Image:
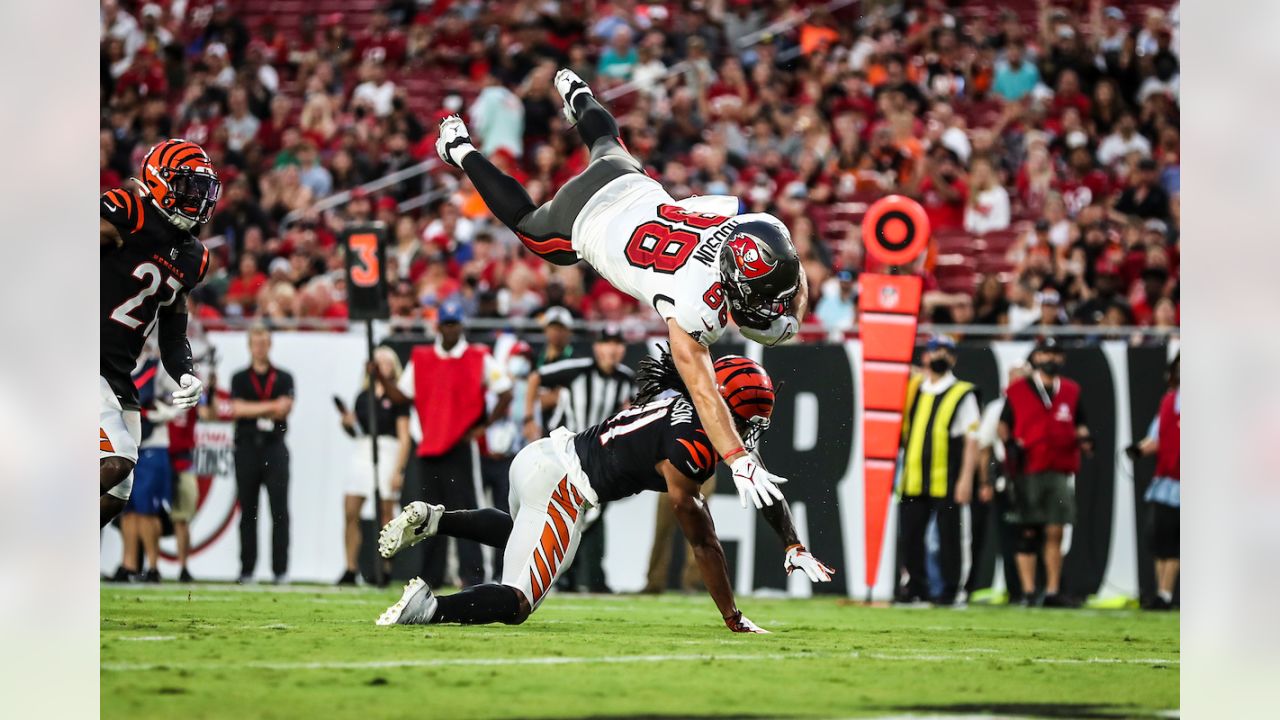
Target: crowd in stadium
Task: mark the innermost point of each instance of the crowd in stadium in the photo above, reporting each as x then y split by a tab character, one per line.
1041	138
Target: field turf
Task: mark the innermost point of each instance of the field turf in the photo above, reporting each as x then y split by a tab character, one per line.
209	651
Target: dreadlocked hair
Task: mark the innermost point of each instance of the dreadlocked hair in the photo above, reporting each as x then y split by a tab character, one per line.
656	375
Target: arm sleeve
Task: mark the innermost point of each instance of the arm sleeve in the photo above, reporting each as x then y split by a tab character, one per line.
690	451
1081	420
987	433
286	384
405	384
496	379
175	349
967	417
122	209
1006	415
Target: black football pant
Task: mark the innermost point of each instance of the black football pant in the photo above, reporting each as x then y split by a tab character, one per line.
545	230
259	466
913	526
452	480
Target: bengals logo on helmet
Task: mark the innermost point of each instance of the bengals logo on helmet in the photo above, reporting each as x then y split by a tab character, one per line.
750	258
179	177
746	389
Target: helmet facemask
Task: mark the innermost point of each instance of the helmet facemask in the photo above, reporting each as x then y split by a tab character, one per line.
191	195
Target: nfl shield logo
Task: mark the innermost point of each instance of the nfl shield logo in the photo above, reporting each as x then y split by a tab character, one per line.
173	253
889	296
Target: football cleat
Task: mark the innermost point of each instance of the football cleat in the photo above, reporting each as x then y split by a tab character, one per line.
417	523
454	142
569	85
416	606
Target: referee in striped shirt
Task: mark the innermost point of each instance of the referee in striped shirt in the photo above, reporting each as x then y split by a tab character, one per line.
591	390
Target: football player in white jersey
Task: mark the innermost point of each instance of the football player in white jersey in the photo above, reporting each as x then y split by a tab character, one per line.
696	261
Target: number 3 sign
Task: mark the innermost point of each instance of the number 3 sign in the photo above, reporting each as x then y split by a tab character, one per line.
365	247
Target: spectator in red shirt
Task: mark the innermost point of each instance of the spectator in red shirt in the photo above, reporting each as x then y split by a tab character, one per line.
1069	95
941	190
380	42
243	288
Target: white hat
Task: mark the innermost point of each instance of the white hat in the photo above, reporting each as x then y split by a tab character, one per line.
954	139
558	315
281	264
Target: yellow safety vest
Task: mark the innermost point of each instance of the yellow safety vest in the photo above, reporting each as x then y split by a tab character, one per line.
916	430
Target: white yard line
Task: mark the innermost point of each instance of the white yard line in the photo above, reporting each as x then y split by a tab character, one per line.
608	659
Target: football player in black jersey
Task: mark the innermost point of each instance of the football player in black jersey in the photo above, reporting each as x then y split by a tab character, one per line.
658	444
150	261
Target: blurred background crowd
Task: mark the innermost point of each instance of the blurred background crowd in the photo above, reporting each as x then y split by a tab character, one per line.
1042	139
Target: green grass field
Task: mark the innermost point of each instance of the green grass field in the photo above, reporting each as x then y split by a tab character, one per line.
226	652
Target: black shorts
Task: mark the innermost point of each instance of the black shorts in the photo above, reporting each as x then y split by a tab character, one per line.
1166	531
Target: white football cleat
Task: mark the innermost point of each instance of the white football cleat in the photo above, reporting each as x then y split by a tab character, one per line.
416	606
569	85
416	523
454	142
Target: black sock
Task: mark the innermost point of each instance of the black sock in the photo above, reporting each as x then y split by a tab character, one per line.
504	195
488	526
594	122
479	605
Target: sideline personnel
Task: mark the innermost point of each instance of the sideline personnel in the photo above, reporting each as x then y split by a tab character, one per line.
940	451
447	381
1044	430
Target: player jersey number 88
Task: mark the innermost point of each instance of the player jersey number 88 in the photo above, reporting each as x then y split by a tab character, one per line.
665	251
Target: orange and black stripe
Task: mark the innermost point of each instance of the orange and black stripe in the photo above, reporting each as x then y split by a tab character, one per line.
104	442
745	386
701	455
553	545
204	264
129	203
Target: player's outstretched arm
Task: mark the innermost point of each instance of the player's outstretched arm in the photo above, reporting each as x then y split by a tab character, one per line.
778	516
175	352
695	522
693	362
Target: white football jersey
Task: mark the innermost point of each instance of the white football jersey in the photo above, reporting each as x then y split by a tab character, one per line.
661	251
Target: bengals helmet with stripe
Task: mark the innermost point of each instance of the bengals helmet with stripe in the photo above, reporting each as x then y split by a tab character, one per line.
748	391
178	176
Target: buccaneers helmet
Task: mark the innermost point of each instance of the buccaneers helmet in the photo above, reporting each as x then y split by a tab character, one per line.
748	391
180	179
759	270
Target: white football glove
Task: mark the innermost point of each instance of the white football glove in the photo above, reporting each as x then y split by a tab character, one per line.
188	395
740	623
754	482
798	557
782	329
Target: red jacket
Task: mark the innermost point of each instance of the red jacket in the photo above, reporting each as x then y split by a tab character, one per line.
1169	437
1047	434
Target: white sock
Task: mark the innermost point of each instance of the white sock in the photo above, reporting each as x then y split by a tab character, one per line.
1165	596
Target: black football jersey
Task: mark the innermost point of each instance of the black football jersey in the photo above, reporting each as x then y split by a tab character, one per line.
157	265
621	454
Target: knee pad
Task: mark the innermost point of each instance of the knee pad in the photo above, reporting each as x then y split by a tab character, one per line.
1030	539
